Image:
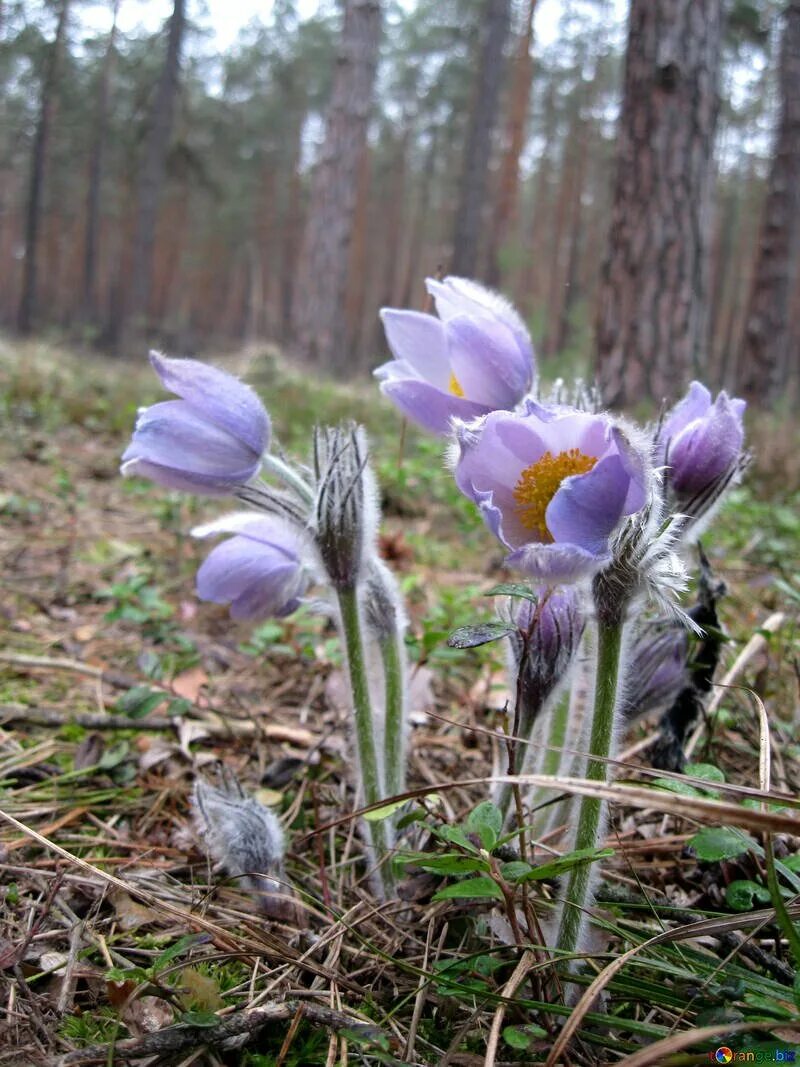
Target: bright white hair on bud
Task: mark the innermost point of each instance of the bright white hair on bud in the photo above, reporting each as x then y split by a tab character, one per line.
241	836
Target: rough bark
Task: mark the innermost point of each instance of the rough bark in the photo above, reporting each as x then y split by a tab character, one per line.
505	213
413	276
96	161
151	176
41	140
319	313
472	193
767	353
650	323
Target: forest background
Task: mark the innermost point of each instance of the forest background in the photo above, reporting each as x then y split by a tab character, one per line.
156	188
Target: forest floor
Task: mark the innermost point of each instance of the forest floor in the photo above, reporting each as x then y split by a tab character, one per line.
117	688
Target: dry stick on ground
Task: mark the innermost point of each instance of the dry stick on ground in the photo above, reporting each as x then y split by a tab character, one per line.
246	1024
527	961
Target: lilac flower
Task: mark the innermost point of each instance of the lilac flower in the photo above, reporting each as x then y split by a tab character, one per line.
553	485
657	669
554	627
701	443
259	571
475	358
209	441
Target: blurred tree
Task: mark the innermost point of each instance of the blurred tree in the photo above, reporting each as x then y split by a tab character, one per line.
477	152
41	141
319	309
767	345
650	324
152	171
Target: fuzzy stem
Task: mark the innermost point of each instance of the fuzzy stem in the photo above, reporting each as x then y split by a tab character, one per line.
394	768
553	751
277	466
365	737
609	645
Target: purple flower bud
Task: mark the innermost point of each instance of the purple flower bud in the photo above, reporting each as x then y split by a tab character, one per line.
554	627
657	669
209	441
475	358
553	485
259	571
701	444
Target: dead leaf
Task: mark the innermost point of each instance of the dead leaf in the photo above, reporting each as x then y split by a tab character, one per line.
84	633
189	684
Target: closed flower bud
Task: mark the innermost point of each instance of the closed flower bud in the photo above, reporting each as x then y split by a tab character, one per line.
552	629
240	835
657	669
344	515
209	441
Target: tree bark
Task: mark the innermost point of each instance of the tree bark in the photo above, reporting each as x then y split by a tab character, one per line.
96	175
766	357
651	321
505	213
479	138
319	311
151	176
41	140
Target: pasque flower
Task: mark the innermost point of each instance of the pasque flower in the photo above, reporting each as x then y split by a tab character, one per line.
552	629
259	571
700	443
657	668
209	441
476	357
553	485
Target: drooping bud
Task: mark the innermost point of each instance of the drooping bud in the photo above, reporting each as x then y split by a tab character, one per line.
657	668
241	836
344	515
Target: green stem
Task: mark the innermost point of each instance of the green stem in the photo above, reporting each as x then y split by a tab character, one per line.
553	754
286	473
364	723
609	645
394	742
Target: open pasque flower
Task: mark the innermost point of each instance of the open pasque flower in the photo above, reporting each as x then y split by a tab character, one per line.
259	571
701	442
209	441
553	485
476	357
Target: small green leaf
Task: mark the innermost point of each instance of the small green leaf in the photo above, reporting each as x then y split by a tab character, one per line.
173	951
470	888
516	869
455	836
742	895
453	863
715	843
520	1037
480	634
199	1018
514	589
566	863
127	974
706	771
140	701
486	821
379	814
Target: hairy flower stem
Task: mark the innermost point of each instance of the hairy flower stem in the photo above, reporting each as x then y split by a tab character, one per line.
553	752
590	816
394	742
288	475
365	737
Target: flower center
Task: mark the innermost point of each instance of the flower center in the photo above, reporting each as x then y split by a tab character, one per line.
455	386
539	483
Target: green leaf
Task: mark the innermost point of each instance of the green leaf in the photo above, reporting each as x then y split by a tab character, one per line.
516	869
470	888
520	1037
455	836
199	1018
715	843
706	771
140	701
173	951
480	634
486	821
743	895
379	814
566	863
514	589
127	974
452	863
677	785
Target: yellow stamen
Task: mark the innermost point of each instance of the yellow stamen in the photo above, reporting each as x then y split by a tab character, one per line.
455	386
539	483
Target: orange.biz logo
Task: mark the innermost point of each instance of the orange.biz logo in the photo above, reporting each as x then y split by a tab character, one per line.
726	1055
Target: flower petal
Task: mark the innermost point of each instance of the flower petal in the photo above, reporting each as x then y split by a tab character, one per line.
428	406
557	563
218	396
693	406
587	507
418	340
169	478
257	579
486	361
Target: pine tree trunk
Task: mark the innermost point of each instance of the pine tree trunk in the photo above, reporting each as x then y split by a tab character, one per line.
96	175
413	277
479	139
651	322
151	176
41	140
765	357
319	311
505	213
